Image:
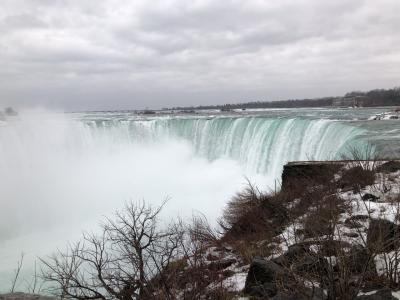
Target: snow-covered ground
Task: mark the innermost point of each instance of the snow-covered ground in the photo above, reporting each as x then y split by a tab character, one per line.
378	201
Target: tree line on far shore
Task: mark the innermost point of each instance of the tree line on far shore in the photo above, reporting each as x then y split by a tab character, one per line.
376	97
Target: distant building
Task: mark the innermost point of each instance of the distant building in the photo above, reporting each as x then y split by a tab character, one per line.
349	101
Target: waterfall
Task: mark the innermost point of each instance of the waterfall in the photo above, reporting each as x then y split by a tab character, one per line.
260	145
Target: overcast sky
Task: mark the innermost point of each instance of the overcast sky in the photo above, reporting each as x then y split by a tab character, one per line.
117	54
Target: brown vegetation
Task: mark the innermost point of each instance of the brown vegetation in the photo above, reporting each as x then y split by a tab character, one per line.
307	241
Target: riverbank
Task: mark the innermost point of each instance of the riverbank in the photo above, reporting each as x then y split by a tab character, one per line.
331	233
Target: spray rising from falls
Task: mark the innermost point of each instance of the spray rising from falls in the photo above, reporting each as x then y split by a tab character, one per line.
260	145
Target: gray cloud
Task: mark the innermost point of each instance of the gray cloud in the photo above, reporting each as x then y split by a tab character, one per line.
134	54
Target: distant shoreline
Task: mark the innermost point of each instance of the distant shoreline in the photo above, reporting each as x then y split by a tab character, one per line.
372	98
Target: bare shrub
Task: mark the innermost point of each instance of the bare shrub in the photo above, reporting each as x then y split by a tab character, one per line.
366	158
238	208
118	263
135	257
389	167
252	214
203	274
17	272
356	178
35	284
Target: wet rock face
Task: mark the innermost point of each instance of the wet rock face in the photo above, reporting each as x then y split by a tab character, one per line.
370	197
389	167
261	276
306	172
295	253
264	275
383	235
221	264
356	178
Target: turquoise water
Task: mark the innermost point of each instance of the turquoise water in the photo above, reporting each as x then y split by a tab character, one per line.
261	141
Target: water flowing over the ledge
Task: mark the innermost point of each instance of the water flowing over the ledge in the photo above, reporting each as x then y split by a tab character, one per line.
260	145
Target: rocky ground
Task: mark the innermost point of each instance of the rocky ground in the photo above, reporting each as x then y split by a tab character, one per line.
340	240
